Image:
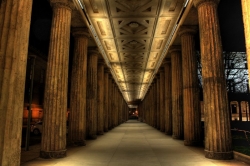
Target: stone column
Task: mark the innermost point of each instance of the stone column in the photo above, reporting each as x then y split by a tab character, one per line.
155	103
110	103
77	116
14	39
168	97
100	99
158	101
191	102
120	107
151	105
216	114
162	101
106	99
116	105
53	144
92	93
113	110
245	5
177	92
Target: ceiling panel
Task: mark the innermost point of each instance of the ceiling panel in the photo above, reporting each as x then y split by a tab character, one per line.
133	34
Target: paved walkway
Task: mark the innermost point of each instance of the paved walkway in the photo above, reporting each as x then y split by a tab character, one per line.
131	144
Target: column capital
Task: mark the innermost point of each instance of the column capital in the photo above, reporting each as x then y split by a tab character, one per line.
174	48
197	3
80	32
62	4
161	69
157	76
166	61
101	62
106	70
188	29
93	51
110	76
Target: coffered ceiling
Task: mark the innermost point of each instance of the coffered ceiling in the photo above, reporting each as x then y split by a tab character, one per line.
133	37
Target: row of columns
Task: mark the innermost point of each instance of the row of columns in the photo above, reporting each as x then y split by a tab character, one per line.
180	112
14	34
91	113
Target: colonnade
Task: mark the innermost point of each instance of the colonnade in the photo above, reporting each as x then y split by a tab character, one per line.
96	103
175	112
182	116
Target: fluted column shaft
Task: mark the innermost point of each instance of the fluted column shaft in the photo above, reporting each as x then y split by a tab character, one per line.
162	100
106	99
100	99
158	102
53	144
168	98
77	116
177	93
245	5
110	104
120	108
155	103
113	111
151	105
216	115
91	114
191	102
116	105
14	39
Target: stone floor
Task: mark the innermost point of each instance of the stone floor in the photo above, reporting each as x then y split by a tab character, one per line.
130	144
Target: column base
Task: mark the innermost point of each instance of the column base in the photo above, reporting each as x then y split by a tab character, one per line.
219	155
77	143
92	137
100	132
177	137
106	130
53	154
192	143
80	143
168	133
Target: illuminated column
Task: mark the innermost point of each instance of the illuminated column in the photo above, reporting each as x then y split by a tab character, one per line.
158	102
53	144
168	98
100	97
154	103
177	92
77	116
191	102
110	103
151	104
106	98
91	114
245	5
120	107
14	39
162	101
216	114
146	108
113	119
116	105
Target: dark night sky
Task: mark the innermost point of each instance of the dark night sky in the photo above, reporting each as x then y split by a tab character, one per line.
231	25
229	11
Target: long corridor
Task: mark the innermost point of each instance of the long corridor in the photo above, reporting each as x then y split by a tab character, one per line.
133	144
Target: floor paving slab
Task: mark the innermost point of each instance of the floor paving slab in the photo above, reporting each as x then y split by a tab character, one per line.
130	144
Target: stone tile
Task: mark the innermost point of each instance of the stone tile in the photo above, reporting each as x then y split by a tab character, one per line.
131	144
